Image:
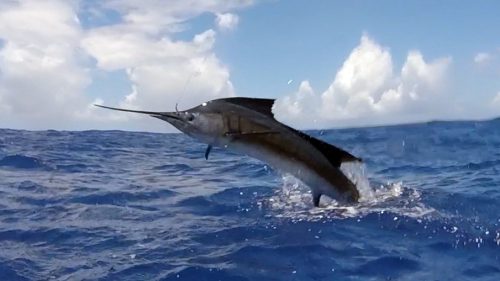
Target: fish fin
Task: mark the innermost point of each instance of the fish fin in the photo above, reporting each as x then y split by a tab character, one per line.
335	155
263	106
207	152
316	196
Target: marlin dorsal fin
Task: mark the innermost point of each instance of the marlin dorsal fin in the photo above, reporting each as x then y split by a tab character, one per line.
334	154
263	106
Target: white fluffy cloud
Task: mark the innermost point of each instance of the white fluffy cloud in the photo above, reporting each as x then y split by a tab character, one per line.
227	21
169	72
40	74
162	71
45	63
482	57
496	100
367	91
48	58
156	15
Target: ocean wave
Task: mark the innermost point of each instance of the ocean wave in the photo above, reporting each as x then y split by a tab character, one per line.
19	161
121	198
149	206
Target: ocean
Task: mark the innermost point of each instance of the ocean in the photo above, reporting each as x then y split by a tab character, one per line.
113	205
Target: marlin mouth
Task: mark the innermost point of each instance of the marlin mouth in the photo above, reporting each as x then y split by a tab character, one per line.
163	115
166	116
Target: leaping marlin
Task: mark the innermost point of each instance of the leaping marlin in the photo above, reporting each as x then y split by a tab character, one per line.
247	126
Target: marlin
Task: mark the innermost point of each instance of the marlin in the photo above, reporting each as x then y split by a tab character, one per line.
247	126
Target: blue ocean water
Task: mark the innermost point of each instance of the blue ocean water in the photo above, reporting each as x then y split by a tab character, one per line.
112	205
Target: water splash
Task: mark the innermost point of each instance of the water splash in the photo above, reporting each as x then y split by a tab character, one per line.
356	172
294	201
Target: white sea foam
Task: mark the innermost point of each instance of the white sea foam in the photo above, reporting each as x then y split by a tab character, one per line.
294	201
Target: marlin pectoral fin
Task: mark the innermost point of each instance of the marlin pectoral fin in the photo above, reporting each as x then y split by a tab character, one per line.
207	152
316	196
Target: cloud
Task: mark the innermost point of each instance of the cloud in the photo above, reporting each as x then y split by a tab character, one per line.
47	60
153	16
299	108
41	78
481	58
227	21
366	91
496	100
162	71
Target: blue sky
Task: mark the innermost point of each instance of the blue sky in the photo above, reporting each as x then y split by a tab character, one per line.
329	63
292	39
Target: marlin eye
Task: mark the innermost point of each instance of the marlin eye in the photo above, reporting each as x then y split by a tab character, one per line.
190	117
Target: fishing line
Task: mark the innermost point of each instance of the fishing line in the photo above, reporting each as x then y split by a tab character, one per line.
188	80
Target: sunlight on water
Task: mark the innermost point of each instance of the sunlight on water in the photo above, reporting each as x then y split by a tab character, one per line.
294	200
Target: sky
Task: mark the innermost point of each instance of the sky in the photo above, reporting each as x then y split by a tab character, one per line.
328	64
